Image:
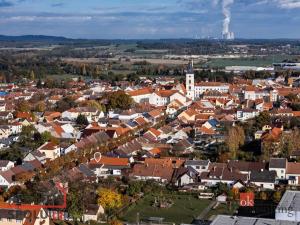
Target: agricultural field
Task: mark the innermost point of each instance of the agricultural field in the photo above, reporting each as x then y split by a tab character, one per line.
253	61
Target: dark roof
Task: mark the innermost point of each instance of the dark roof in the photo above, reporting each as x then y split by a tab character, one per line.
91	210
85	170
277	163
246	166
12	214
3	163
263	176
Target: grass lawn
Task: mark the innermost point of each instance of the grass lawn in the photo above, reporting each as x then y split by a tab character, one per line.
184	209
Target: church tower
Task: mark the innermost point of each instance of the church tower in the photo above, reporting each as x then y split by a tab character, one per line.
190	82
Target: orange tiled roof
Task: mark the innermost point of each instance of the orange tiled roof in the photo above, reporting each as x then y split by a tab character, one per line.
293	168
165	93
143	91
111	161
155	151
49	146
154	131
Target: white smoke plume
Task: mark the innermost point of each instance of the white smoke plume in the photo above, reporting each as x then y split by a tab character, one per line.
227	17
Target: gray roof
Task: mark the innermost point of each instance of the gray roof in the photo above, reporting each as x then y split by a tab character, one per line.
197	163
3	163
233	220
263	176
277	163
290	200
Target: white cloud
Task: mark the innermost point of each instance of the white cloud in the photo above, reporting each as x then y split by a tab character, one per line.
288	4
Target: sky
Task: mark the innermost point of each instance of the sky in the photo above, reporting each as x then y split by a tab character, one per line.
150	19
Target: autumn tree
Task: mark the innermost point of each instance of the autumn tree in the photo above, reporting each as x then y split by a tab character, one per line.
119	100
277	196
235	139
109	200
263	195
22	106
40	107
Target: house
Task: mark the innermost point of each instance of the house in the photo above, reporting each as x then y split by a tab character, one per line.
109	166
174	106
279	166
157	172
164	97
35	155
245	167
5	131
220	173
6	179
263	179
293	173
184	176
92	213
188	116
198	165
127	115
154	115
245	114
92	114
25	217
141	95
51	150
160	170
50	116
184	146
6	165
5	115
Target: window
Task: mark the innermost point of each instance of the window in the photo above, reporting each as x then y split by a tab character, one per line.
197	167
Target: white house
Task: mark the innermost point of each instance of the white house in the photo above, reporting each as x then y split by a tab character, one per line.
263	179
6	178
279	166
51	150
245	114
6	165
198	165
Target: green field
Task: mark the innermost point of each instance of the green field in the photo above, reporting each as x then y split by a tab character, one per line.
222	209
253	61
184	209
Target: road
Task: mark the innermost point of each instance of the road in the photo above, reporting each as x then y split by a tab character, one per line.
206	210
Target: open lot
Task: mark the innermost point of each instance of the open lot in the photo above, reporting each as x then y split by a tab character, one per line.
184	209
252	61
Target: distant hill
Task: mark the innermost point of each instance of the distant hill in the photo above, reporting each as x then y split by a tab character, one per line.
34	38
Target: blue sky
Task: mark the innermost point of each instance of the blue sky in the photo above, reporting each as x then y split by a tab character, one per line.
149	18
